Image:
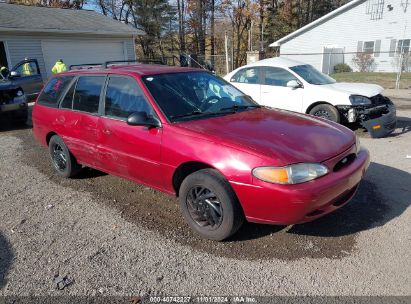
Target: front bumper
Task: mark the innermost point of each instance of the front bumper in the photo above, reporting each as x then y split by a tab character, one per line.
379	120
382	126
18	103
293	204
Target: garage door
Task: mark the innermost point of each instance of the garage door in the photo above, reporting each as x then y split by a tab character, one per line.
81	51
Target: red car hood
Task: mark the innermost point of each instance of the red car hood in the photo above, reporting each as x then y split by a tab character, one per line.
287	137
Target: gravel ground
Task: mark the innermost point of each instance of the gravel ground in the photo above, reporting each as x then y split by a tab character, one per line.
117	238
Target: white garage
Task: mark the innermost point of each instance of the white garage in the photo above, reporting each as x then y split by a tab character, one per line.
82	51
49	34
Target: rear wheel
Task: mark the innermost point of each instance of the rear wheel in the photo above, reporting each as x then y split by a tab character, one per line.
326	111
210	205
63	161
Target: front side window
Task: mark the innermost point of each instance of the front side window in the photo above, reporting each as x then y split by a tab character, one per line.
190	95
124	97
87	93
403	46
312	75
368	47
53	90
247	75
277	77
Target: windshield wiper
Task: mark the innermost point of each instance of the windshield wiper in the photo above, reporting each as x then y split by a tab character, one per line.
194	113
235	108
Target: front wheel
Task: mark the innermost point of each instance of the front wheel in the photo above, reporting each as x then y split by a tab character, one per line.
63	161
210	205
326	111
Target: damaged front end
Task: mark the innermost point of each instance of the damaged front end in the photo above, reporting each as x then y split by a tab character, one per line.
379	117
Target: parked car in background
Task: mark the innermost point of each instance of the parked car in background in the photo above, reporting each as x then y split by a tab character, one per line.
292	85
189	133
26	75
13	102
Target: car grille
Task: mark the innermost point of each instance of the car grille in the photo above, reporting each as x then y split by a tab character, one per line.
345	161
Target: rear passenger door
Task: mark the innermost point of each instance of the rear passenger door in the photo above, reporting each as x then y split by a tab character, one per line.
129	151
79	118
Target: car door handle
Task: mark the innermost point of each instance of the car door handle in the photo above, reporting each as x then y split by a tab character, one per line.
61	119
106	131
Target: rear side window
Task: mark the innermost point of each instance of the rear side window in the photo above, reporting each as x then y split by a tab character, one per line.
53	91
123	97
87	93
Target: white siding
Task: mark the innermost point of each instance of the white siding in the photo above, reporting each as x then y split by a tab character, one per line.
19	47
349	27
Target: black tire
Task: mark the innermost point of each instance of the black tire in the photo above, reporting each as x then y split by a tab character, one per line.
326	111
63	161
219	197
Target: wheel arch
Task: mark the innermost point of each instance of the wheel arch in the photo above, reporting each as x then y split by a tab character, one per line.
314	104
49	136
185	169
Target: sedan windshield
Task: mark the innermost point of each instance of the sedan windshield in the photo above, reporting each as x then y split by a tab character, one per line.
311	75
193	95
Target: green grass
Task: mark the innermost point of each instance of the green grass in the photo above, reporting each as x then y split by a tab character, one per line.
386	80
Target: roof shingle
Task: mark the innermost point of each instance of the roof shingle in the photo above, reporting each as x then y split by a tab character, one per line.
45	19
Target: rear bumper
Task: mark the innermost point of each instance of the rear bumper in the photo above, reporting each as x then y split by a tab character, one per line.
293	204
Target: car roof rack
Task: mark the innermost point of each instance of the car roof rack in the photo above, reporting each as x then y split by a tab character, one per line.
154	61
88	66
84	66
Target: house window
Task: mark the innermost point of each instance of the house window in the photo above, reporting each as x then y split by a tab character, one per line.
403	46
368	47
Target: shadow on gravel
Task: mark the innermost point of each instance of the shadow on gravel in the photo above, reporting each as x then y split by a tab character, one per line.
333	236
6	258
7	124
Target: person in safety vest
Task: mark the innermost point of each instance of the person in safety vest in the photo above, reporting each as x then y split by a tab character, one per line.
59	67
27	69
4	71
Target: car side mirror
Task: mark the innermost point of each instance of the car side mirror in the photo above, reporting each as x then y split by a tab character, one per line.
294	84
14	74
143	119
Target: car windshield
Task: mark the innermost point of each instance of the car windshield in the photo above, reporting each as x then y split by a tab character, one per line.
193	95
311	75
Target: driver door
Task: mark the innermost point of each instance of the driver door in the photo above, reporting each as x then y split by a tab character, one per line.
276	94
29	77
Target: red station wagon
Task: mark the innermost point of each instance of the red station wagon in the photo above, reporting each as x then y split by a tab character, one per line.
189	133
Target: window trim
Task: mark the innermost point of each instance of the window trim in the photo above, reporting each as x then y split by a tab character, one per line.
103	102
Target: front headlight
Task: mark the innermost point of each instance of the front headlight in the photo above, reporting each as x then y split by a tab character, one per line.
19	93
292	174
358	100
357	144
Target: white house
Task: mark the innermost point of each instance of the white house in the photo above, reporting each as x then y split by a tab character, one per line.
378	27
